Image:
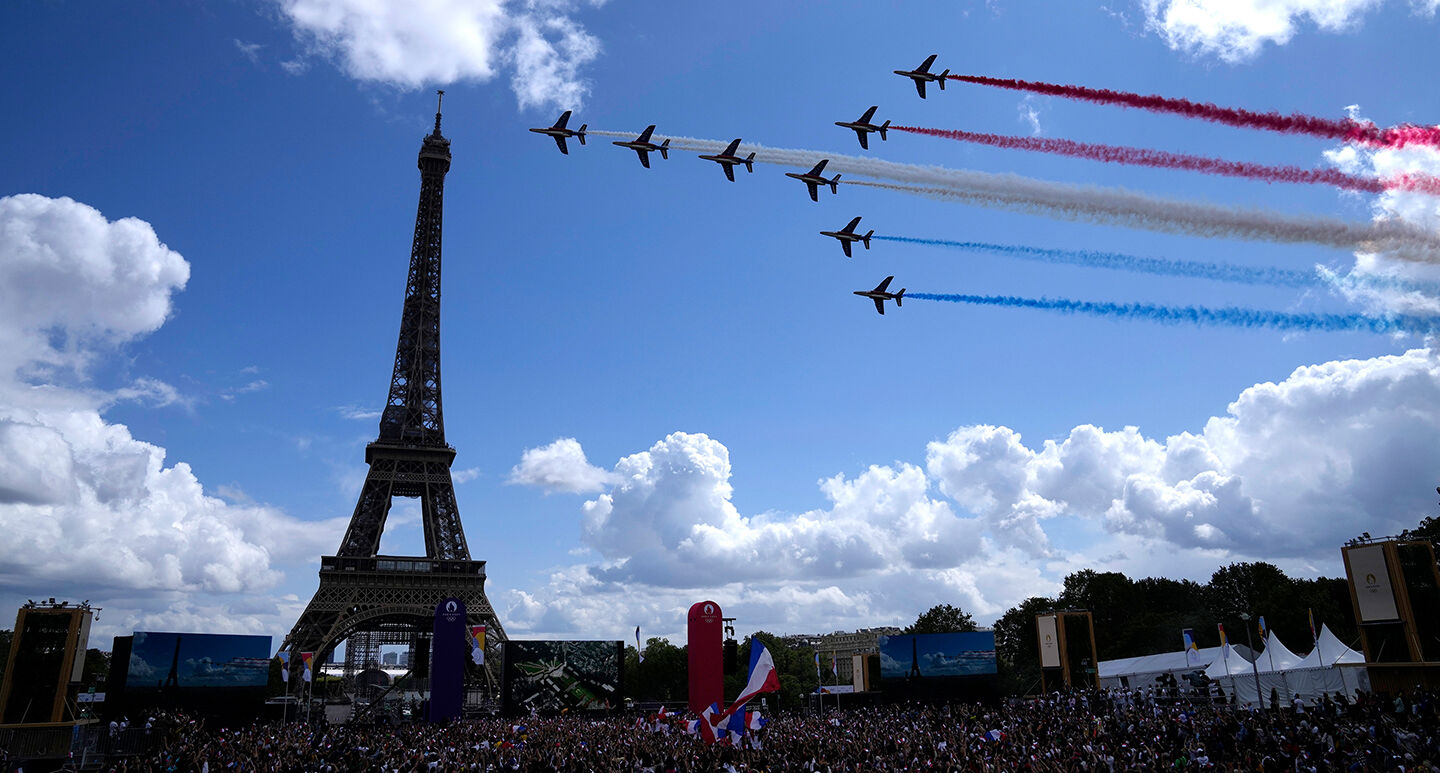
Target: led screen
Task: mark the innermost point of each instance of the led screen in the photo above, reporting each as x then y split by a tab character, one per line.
931	655
185	660
555	675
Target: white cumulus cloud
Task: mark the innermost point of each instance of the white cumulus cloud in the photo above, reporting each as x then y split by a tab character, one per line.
420	42
1237	30
559	466
83	503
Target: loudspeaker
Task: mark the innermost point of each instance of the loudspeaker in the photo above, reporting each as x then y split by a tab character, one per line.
422	659
731	657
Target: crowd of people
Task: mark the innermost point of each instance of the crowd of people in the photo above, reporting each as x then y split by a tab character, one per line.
1089	731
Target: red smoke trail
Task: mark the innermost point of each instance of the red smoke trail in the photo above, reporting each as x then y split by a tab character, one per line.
1119	154
1346	129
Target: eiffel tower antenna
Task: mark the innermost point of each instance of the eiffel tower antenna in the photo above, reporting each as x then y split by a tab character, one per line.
371	599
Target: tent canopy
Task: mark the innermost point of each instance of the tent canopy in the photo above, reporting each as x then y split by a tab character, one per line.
1329	651
1230	663
1276	656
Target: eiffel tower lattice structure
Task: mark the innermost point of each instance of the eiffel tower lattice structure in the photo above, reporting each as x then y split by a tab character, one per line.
367	598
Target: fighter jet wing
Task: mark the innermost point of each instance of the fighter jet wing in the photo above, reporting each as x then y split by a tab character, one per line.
925	66
920	87
645	135
868	114
729	172
731	148
814	191
561	142
880	288
879	305
850	226
644	158
564	118
864	144
844	245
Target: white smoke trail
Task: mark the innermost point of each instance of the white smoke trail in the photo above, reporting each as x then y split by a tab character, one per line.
1094	204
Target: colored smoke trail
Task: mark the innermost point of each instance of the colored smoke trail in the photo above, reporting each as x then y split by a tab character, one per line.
1120	207
1090	203
1221	272
1345	129
1228	316
1121	154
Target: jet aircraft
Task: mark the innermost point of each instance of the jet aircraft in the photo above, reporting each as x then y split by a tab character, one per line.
922	75
814	179
879	295
847	235
863	127
642	146
727	160
559	132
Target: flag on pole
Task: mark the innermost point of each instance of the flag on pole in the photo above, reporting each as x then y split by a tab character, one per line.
1223	640
763	676
640	650
835	664
1192	650
1313	635
476	637
817	665
284	656
306	657
1262	627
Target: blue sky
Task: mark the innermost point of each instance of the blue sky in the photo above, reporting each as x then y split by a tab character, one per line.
658	382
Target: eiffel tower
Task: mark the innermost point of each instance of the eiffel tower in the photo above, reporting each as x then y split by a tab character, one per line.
366	598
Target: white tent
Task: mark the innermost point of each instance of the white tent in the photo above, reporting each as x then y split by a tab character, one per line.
1231	663
1307	677
1276	657
1141	671
1329	651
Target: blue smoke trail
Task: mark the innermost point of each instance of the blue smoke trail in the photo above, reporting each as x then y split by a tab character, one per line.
1222	272
1228	316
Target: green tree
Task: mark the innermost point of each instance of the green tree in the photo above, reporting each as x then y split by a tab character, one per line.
942	618
664	676
1110	598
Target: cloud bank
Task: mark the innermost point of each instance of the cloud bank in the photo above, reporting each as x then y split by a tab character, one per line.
1287	473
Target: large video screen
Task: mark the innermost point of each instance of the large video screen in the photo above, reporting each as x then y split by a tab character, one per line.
555	675
929	655
180	661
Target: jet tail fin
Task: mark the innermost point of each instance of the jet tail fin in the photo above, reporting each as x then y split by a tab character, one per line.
866	238
883	127
835	184
943	76
665	149
898	296
580	135
749	163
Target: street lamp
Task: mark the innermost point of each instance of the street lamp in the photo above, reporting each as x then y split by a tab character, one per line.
1254	669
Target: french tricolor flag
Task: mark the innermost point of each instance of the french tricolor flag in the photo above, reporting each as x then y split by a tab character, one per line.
763	676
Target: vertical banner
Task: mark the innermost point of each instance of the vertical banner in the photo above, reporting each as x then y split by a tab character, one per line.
705	645
1049	640
447	661
1192	650
1370	577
